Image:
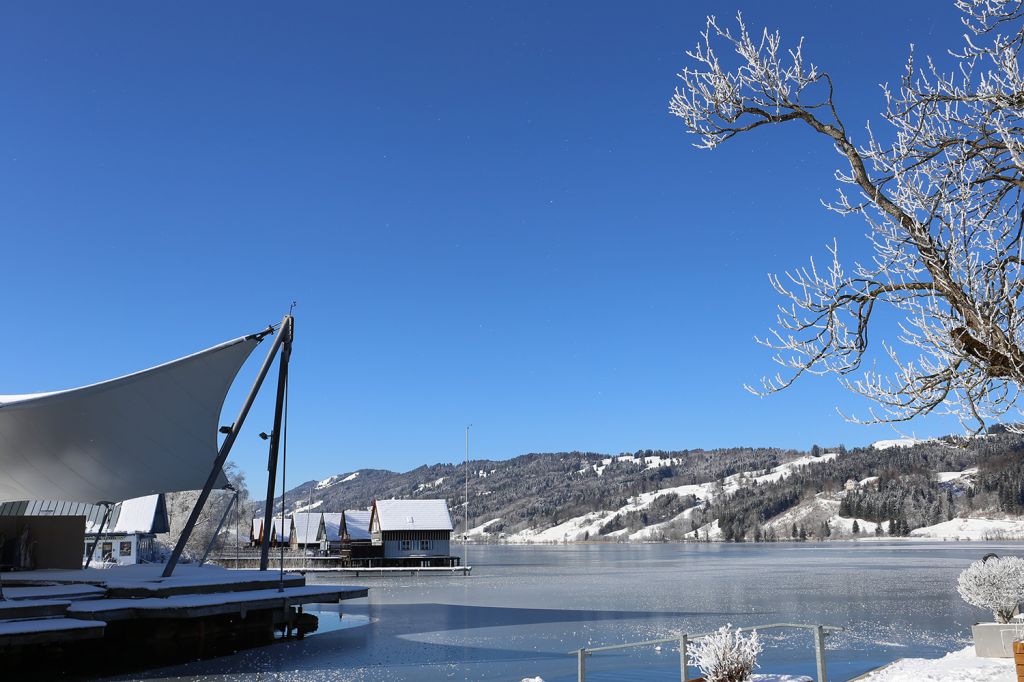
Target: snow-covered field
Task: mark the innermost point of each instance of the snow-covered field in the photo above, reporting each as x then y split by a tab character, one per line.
973	529
958	666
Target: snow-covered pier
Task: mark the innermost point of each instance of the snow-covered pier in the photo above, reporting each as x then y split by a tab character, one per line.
131	614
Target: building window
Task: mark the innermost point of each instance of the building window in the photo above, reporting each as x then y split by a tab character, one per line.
126	548
424	545
108	551
406	545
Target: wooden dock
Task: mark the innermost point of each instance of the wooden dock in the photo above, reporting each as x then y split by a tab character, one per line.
60	620
384	571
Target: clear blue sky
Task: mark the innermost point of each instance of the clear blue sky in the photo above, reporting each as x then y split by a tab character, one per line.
484	210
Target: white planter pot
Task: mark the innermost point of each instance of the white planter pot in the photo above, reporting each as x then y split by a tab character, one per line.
994	640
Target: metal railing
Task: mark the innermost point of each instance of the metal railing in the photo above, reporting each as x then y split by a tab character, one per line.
685	639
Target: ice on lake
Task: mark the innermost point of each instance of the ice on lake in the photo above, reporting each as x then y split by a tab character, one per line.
526	607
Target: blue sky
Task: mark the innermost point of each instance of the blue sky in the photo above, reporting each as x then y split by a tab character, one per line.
484	210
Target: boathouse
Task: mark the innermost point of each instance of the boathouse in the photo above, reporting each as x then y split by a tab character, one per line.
412	532
331	540
306	530
356	531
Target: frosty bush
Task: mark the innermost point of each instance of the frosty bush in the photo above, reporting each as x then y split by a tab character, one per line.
996	585
727	656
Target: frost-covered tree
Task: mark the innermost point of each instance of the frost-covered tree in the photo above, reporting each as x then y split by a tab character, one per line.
727	655
996	584
939	183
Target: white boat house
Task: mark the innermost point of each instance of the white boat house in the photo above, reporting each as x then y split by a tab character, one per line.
413	532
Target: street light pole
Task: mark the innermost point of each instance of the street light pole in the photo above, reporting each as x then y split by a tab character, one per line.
465	531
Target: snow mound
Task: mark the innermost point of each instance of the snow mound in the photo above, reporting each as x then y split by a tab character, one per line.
958	666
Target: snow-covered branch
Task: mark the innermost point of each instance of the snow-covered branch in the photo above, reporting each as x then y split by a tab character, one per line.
940	192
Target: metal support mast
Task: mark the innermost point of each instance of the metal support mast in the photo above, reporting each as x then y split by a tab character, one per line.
285	331
275	441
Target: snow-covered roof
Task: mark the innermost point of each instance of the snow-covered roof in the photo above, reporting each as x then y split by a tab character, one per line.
357	523
413	515
257	529
142	515
146	514
307	527
332	526
275	531
143	433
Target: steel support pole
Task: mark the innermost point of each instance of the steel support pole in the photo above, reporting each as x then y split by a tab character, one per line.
223	518
581	665
275	442
819	653
684	663
99	535
225	448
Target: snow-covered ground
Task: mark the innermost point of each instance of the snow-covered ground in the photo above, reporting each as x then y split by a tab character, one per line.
958	666
331	480
947	476
307	507
973	529
895	443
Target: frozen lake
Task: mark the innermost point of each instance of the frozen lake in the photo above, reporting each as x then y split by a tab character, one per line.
525	607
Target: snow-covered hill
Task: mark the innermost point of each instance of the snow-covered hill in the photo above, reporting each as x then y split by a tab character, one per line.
934	487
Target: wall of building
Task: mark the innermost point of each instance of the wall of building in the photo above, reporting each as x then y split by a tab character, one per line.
55	539
123	549
401	544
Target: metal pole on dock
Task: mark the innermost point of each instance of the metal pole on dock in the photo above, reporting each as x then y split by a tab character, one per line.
684	663
285	331
819	653
581	665
465	529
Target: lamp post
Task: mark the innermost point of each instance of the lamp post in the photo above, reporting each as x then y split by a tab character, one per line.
465	528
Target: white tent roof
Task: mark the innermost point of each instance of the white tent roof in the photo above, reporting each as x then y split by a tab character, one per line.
413	515
149	432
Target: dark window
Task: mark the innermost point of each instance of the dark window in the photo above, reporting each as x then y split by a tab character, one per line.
405	545
108	551
424	545
126	548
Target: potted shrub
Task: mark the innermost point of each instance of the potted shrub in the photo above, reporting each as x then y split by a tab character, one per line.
727	656
996	584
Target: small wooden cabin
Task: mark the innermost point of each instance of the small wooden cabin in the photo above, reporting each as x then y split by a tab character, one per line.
413	532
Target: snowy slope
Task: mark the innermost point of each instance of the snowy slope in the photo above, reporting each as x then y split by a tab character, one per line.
588	526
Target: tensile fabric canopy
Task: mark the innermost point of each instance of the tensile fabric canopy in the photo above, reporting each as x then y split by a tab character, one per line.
149	432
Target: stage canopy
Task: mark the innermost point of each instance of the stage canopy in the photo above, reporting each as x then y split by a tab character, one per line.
149	432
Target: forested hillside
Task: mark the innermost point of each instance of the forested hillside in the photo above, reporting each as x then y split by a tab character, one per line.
735	494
